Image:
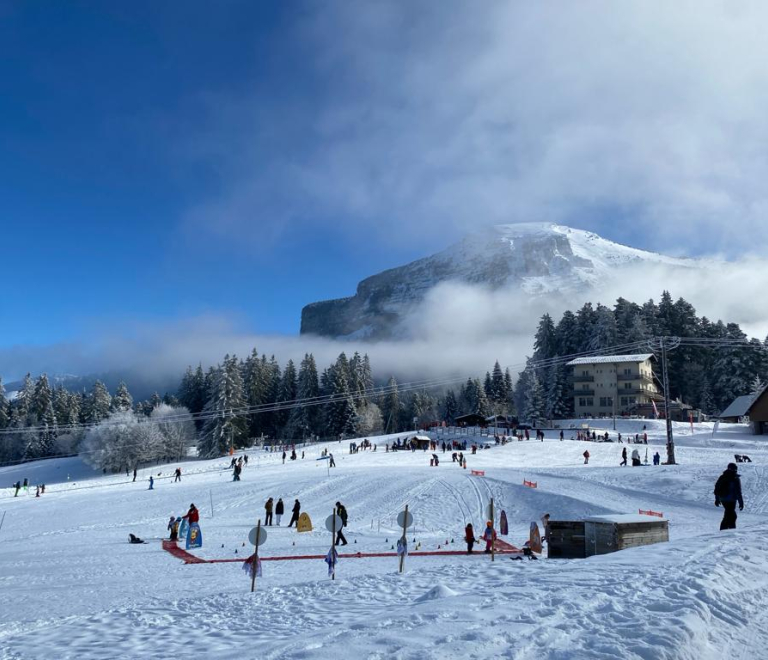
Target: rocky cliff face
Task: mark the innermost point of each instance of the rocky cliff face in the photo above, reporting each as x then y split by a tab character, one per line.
537	258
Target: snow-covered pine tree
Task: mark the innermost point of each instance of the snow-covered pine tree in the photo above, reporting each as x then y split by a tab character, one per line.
390	407
5	415
498	386
535	404
304	419
342	414
226	426
287	395
557	399
603	330
122	400
99	403
450	407
488	386
544	345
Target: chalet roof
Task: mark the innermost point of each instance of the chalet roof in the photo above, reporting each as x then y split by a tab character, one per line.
739	406
610	359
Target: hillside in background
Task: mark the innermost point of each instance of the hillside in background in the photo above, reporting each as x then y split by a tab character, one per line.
538	259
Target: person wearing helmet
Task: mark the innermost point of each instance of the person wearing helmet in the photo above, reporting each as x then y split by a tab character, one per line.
728	493
489	536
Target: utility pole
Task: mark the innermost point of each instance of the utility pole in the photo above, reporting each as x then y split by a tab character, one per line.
665	344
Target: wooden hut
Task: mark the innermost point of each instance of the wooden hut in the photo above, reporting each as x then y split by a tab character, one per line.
604	534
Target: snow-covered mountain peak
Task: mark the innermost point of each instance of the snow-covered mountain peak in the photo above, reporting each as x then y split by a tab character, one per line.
537	258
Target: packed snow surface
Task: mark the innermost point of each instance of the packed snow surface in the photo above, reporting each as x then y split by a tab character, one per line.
72	587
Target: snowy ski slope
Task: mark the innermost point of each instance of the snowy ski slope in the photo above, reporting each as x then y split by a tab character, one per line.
72	587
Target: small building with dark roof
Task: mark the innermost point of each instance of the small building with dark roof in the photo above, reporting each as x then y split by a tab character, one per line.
738	409
471	419
758	412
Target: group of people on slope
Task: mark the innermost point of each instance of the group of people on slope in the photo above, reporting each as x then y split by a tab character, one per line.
488	535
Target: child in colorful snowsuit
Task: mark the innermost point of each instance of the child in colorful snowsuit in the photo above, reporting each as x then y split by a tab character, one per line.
489	536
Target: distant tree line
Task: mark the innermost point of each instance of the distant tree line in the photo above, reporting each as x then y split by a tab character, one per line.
237	402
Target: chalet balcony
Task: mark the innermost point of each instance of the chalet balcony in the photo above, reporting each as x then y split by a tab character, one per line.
634	391
583	392
583	379
642	378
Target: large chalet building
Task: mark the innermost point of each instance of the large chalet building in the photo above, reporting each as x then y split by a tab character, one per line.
609	385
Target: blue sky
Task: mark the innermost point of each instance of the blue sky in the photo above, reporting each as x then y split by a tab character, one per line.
170	164
102	107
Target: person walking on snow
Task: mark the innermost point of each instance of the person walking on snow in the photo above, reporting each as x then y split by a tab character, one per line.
728	493
151	482
173	528
469	537
489	536
331	462
283	458
341	511
296	512
279	510
268	509
623	456
586	456
177	475
17	486
134	474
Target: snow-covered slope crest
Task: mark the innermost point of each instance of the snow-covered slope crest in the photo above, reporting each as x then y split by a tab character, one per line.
535	258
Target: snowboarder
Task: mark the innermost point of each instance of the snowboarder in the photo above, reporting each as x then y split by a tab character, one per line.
283	458
268	509
245	458
586	456
341	511
151	482
623	456
42	489
296	511
236	472
469	537
134	539
17	486
279	510
561	435
37	491
331	462
25	485
728	493
177	475
134	474
489	536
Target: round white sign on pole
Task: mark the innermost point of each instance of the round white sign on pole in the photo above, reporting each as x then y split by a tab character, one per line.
262	536
329	523
402	521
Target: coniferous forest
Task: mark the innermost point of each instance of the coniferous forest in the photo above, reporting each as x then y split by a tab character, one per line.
241	401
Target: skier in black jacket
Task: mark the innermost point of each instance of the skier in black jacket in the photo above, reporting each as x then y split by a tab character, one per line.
728	493
296	511
341	511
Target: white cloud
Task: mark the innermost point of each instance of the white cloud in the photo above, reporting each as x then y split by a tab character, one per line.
642	122
459	329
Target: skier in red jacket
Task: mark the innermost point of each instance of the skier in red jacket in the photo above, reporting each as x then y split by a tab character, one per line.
193	515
